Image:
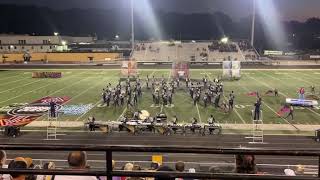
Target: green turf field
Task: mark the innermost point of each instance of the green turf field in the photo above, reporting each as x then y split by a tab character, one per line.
85	86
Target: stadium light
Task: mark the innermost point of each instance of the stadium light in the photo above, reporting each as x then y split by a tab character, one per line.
117	37
63	43
56	34
224	40
253	23
132	25
144	10
271	21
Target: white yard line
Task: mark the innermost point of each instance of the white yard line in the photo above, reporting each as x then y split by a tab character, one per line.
300	79
280	81
96	84
99	101
10	82
10	77
235	110
72	97
287	95
310	83
89	110
268	86
95	104
33	90
68	86
199	113
18	87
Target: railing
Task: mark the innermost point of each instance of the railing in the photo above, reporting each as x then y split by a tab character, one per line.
163	149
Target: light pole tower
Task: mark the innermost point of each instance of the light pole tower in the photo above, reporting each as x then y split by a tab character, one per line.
253	22
132	25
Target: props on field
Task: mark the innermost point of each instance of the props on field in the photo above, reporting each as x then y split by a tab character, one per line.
144	115
283	110
253	94
46	75
231	69
129	68
301	102
180	70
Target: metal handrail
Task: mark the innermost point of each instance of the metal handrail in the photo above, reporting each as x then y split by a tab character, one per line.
165	149
109	149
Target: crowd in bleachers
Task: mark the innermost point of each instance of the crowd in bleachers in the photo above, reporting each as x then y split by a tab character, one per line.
222	47
77	160
244	45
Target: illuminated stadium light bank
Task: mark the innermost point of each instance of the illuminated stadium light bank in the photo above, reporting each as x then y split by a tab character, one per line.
145	12
271	20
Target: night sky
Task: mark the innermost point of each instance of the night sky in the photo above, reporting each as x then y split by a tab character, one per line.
288	9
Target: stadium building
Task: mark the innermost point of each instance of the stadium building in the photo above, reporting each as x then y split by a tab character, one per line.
27	43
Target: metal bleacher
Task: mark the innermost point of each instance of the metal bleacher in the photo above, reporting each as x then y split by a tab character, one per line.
185	51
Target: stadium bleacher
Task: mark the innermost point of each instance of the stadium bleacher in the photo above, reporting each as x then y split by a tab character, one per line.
192	51
62	58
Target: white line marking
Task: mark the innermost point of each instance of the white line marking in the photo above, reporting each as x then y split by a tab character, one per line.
198	113
74	97
10	77
13	81
99	101
268	86
32	90
235	110
299	80
89	110
18	87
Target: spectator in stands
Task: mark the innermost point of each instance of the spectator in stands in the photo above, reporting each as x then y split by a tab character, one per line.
47	166
179	166
77	160
30	165
154	166
17	165
164	177
3	158
289	172
127	167
136	168
245	164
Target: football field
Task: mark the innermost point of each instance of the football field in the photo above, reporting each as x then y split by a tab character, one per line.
84	88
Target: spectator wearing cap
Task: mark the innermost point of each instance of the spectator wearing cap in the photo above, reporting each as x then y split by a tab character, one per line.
77	160
30	165
18	164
